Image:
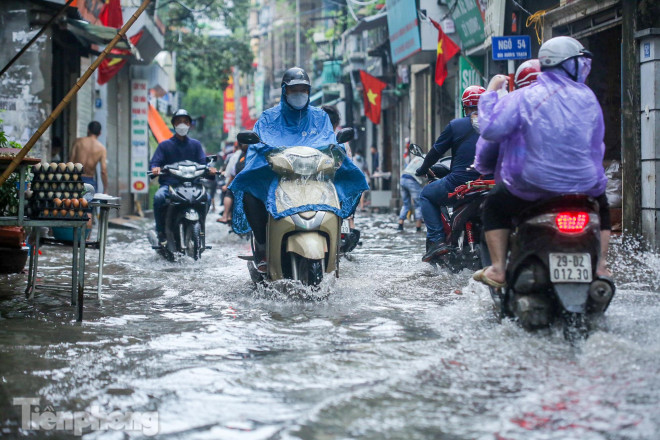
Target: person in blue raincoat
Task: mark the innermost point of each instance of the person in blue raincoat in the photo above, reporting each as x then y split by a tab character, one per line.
293	122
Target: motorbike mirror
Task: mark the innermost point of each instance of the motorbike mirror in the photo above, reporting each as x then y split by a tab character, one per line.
416	150
345	134
248	137
211	158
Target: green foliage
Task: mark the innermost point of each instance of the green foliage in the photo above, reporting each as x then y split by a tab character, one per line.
202	101
203	60
9	189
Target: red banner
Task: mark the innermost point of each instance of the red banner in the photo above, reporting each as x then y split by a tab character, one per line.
246	121
229	114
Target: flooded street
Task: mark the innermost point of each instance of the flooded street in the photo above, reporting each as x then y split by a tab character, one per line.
396	350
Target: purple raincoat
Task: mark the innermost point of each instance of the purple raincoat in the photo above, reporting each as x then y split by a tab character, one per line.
547	138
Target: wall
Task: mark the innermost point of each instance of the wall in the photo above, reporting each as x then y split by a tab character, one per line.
25	93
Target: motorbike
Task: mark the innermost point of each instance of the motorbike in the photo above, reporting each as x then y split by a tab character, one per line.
462	221
302	246
185	217
349	239
214	184
551	268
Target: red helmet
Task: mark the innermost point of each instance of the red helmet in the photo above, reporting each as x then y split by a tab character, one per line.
527	73
471	95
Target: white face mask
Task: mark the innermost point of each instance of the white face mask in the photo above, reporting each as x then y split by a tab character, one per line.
182	129
297	100
474	119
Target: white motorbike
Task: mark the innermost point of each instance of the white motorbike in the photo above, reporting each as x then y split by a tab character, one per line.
302	246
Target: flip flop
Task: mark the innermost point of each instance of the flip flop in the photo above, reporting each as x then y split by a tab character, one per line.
480	276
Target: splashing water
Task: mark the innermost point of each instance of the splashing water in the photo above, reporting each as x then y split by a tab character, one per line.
391	349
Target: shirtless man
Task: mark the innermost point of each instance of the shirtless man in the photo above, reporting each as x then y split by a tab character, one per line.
89	151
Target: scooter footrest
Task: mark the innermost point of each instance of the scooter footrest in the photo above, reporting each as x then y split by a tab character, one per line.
246	257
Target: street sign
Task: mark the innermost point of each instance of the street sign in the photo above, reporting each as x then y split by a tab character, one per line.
512	48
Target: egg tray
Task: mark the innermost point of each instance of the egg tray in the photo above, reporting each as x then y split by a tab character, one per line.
38	205
77	215
52	177
72	195
62	185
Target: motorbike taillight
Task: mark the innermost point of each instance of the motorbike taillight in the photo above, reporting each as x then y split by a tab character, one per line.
572	222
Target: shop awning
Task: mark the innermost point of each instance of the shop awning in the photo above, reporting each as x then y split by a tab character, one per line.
92	34
158	127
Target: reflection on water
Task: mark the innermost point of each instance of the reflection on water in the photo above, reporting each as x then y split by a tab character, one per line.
394	350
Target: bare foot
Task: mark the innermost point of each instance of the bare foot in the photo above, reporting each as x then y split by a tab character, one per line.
494	274
603	271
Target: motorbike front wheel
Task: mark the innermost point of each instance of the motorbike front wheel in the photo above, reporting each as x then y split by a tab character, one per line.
309	272
193	240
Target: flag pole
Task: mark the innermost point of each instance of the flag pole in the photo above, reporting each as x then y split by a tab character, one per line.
67	99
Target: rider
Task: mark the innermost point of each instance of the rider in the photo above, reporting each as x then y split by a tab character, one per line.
178	148
292	122
488	159
558	123
461	137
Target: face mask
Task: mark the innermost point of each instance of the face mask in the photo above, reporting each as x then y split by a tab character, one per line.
584	67
297	100
182	129
474	119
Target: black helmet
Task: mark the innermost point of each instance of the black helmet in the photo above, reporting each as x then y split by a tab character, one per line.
294	76
180	112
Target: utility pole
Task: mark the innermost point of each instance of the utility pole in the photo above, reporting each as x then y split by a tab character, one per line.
298	33
630	143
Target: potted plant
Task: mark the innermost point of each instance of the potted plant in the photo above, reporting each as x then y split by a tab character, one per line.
13	254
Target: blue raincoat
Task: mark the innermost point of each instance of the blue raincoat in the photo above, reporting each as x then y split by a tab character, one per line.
284	126
550	137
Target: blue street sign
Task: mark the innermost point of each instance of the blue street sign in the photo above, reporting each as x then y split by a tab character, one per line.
512	48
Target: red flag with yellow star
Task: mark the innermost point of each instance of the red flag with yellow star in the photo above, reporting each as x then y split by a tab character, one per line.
372	91
446	50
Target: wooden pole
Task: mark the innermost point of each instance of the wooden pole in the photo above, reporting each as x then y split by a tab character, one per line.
35	38
60	107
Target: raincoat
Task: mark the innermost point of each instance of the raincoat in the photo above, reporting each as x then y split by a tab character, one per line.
284	126
550	137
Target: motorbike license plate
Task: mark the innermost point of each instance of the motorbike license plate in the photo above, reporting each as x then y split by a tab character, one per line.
345	229
570	268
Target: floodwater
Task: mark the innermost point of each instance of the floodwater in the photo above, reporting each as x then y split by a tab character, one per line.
395	350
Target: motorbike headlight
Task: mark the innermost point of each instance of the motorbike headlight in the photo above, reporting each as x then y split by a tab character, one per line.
188	172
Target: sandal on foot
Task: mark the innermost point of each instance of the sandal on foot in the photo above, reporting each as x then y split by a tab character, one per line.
480	276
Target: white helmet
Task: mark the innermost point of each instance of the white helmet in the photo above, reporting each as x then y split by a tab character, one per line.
559	49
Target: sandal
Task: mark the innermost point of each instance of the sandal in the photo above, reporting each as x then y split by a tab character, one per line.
226	222
480	276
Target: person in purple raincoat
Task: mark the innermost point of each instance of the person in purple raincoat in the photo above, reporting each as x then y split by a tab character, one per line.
556	125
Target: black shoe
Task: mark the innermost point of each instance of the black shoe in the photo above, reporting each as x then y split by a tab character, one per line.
419	229
400	228
435	250
162	238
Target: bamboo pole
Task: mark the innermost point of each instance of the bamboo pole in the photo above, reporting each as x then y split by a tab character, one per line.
35	38
35	137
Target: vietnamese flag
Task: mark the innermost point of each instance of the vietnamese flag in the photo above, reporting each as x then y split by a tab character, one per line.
110	14
372	92
110	66
446	50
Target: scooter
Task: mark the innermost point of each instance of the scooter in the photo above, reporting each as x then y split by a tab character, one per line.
551	268
186	212
461	222
302	246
